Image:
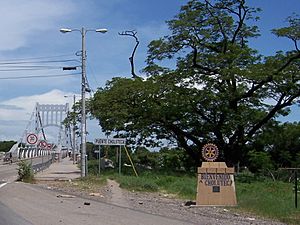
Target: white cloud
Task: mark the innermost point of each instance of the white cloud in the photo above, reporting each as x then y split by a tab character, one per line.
20	18
22	106
15	114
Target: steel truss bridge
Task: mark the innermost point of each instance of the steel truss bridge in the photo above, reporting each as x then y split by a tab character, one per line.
34	143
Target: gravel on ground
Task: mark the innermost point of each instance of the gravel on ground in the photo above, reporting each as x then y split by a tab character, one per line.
158	203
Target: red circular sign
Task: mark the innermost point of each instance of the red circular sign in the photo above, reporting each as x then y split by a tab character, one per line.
32	139
43	144
49	146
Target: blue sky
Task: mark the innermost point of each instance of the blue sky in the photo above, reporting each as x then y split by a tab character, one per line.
31	30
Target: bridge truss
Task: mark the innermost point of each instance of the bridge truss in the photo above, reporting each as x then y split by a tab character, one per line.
34	143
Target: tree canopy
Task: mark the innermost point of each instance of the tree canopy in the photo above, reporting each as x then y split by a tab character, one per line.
5	146
219	89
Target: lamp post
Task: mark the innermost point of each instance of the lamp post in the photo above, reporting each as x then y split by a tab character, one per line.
74	128
83	32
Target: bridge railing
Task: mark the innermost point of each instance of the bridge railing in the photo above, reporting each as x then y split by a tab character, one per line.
43	165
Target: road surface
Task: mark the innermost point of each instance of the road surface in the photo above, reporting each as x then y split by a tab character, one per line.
9	217
40	206
9	172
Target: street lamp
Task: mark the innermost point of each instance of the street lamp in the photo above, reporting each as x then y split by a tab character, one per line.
83	32
74	127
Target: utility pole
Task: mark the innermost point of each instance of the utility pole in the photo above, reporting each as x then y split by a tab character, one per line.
83	32
83	116
74	130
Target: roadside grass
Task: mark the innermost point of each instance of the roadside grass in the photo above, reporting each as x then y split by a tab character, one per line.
270	199
263	198
90	183
180	186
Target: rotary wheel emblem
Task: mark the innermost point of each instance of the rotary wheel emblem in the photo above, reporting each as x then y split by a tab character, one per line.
210	152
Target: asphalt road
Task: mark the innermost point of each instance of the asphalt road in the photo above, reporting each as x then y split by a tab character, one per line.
9	217
40	206
9	172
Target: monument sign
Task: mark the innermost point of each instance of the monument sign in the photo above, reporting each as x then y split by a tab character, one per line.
215	180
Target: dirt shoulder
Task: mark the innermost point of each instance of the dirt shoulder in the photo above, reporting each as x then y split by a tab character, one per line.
156	203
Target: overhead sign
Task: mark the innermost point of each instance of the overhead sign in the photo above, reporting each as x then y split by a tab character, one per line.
32	139
110	141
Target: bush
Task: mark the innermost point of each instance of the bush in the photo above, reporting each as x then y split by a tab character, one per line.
137	183
245	177
260	162
25	172
93	167
180	185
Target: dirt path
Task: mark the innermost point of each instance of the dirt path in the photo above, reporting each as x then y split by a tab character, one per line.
117	196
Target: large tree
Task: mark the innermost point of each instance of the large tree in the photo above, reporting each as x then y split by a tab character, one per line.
281	142
220	90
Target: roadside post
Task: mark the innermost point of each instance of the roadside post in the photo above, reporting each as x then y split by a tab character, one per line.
296	183
32	140
120	159
296	189
99	159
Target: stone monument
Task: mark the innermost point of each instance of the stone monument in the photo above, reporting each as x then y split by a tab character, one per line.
216	185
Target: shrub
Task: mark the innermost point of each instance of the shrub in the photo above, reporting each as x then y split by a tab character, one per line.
245	177
137	183
260	161
25	172
93	167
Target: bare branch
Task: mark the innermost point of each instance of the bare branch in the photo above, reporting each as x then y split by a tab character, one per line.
132	33
280	105
204	69
288	62
219	24
296	45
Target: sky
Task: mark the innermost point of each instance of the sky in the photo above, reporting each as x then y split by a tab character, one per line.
30	33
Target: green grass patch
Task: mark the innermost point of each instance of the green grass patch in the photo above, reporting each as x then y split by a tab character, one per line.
90	183
256	195
265	198
181	186
137	183
270	199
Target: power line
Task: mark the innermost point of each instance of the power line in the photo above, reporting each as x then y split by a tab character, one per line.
24	66
35	63
92	73
10	68
42	57
42	61
28	69
38	76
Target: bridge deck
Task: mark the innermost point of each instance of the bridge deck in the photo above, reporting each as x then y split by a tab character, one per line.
63	170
